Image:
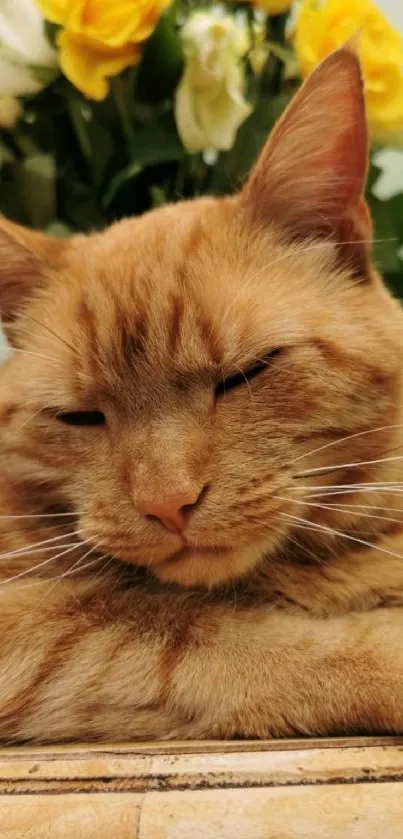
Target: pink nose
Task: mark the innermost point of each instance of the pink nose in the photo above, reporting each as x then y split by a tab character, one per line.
170	511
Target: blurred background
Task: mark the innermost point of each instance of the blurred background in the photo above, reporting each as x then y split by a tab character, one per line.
111	107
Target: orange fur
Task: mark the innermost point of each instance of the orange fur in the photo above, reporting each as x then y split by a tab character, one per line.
243	619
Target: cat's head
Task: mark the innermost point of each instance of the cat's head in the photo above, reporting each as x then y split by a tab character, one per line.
172	374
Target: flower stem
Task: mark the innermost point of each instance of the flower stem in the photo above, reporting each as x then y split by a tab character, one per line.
80	128
119	92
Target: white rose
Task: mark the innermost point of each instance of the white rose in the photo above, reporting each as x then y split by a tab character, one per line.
209	101
27	60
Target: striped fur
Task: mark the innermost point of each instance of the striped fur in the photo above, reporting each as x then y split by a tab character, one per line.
278	611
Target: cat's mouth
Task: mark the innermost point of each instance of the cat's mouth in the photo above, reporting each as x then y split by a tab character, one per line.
197	552
206	566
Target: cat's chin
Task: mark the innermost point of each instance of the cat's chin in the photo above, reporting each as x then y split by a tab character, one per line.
192	567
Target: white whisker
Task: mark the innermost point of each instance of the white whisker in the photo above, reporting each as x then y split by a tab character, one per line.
324	469
109	560
36	567
37	516
389	490
26	549
332	504
28	552
320	527
304	548
380	485
77	566
341	509
344	439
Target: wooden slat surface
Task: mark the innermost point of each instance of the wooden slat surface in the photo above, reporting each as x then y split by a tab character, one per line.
336	789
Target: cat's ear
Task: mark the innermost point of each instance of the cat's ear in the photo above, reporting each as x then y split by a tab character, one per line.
310	177
26	258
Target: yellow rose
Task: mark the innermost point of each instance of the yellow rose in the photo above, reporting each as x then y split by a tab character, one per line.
209	101
323	25
100	38
273	7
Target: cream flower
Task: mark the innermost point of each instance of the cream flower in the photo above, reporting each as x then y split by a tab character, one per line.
27	59
10	111
209	102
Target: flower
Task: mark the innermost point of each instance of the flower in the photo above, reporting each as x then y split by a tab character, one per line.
390	181
10	111
323	25
274	7
260	49
27	60
209	101
100	38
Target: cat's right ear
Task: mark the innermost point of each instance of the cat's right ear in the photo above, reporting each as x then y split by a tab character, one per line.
310	177
26	259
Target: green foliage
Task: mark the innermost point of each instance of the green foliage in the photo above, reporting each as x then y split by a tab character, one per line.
70	164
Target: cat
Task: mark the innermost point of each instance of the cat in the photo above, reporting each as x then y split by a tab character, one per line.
201	531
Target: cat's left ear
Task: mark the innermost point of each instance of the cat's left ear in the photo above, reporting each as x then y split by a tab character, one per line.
26	259
310	177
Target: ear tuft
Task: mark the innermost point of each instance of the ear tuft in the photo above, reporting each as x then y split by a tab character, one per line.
310	177
25	259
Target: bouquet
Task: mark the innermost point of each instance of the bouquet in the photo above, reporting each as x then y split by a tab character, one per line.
111	107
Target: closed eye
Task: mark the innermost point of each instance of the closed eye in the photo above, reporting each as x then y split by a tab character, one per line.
245	376
81	418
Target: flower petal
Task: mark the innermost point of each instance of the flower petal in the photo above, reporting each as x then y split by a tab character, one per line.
209	105
189	130
88	64
22	32
222	115
54	10
390	182
10	111
274	7
121	23
321	27
17	80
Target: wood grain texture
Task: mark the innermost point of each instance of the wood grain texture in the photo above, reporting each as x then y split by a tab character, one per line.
65	817
335	789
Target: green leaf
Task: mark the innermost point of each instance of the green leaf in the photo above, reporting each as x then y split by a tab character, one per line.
235	164
51	30
43	74
6	155
373	175
162	64
386	237
103	149
158	143
395	206
94	139
158	196
10	203
81	208
77	113
118	180
35	183
59	229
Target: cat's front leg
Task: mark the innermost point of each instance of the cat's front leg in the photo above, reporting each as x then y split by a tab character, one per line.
79	661
277	674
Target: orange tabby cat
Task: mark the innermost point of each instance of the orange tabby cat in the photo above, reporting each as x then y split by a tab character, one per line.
201	529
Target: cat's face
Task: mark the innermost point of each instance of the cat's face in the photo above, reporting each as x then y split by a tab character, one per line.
173	372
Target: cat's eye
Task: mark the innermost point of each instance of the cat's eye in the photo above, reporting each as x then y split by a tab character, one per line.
81	418
245	376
